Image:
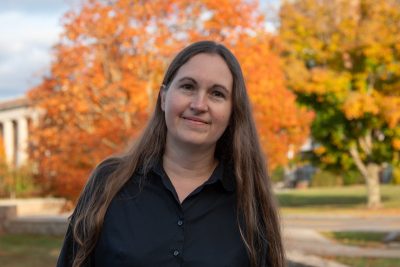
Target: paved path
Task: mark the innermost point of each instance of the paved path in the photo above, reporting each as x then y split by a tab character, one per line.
302	237
311	242
386	223
303	242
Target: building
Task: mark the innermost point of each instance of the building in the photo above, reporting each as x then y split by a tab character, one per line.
16	116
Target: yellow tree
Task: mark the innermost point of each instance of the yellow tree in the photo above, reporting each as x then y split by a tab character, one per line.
342	58
106	75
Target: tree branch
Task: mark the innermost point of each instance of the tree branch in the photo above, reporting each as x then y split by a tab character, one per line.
356	157
366	143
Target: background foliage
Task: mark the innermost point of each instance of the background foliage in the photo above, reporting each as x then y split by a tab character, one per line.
106	74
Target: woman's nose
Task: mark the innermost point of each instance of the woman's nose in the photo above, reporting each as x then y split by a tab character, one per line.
199	102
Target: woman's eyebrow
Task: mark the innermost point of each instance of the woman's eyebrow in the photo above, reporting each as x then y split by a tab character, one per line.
195	82
187	78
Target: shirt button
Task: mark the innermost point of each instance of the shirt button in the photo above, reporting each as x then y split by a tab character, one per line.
180	222
176	253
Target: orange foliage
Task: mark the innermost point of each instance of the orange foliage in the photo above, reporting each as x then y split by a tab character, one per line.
281	123
106	75
2	150
396	144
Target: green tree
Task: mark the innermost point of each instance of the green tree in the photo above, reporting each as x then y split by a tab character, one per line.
342	58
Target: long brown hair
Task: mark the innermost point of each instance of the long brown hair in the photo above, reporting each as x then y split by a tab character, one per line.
239	146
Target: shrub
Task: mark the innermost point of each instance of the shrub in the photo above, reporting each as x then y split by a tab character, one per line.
324	178
278	174
396	175
16	182
352	177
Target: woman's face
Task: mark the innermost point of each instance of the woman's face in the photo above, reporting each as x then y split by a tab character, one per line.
198	102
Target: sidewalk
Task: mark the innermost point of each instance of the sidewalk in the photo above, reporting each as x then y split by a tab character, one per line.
311	242
335	222
305	246
303	240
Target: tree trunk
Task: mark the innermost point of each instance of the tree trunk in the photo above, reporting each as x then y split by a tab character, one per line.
373	189
370	172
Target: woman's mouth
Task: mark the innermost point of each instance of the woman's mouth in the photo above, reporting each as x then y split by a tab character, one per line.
195	120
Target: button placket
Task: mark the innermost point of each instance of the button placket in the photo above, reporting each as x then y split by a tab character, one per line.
177	249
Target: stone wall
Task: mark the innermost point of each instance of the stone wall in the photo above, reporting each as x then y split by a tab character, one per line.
33	216
7	213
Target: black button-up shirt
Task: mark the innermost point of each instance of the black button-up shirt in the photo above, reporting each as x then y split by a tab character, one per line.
150	227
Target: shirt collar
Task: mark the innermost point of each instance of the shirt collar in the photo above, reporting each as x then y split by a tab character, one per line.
223	173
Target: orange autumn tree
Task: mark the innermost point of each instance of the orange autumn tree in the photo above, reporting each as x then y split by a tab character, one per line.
106	74
282	125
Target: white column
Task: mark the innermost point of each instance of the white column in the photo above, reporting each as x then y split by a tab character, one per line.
35	116
8	140
22	128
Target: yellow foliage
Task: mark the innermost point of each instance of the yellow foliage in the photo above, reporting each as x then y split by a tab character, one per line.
357	104
390	109
323	81
319	150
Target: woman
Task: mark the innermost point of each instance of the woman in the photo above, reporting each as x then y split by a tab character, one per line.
193	190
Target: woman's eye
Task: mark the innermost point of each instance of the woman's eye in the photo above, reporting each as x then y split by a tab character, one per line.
218	94
187	86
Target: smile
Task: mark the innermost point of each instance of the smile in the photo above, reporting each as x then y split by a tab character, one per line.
195	120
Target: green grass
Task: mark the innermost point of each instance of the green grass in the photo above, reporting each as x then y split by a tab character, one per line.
363	239
335	198
368	262
29	250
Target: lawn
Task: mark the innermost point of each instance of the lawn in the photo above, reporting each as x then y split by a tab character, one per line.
337	199
29	250
361	239
368	262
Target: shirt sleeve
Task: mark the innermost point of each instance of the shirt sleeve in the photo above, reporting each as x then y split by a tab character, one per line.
70	247
67	251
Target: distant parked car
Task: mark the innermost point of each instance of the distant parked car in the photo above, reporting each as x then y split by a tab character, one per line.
386	174
300	176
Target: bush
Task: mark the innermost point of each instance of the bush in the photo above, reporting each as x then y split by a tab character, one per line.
16	182
396	175
324	178
278	174
352	177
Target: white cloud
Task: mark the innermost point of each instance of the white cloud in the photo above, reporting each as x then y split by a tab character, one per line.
35	6
29	29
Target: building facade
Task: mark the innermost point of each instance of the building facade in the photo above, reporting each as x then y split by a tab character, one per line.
16	116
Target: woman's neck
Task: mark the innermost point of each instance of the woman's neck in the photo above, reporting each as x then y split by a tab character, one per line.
189	162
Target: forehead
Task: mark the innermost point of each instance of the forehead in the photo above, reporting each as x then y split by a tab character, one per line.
207	69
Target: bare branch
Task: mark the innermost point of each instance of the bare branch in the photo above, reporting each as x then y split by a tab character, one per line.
366	143
356	157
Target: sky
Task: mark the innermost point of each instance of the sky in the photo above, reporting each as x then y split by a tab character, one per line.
29	29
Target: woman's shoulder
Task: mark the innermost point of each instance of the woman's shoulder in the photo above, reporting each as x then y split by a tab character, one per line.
98	179
106	168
